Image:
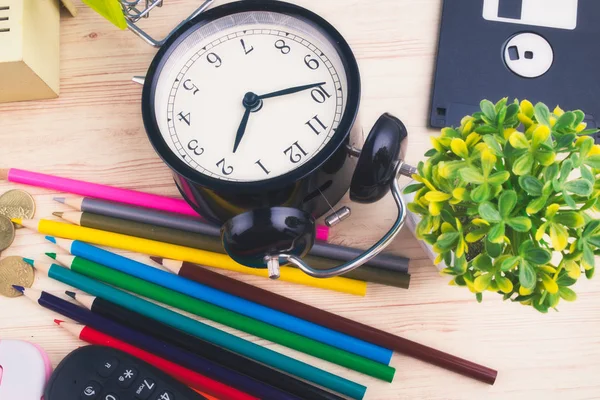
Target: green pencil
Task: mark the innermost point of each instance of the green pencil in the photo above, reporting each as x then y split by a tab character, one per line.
203	331
225	317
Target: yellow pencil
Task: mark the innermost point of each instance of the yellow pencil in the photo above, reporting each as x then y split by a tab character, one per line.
181	253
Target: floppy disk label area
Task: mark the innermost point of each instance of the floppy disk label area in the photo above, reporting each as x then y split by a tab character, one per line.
560	14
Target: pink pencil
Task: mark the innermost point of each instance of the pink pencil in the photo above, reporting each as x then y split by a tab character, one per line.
126	196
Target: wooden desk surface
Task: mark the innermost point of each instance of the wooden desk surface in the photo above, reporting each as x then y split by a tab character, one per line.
94	132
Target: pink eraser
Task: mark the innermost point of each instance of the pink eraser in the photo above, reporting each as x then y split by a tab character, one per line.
24	370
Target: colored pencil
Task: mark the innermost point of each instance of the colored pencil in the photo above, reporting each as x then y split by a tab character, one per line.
219	387
333	321
221	299
232	319
206	332
202	348
213	243
184	223
94	337
110	193
167	250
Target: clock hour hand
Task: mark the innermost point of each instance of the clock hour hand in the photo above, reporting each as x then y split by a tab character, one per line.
290	90
242	129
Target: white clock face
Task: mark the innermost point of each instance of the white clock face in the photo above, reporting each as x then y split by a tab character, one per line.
293	82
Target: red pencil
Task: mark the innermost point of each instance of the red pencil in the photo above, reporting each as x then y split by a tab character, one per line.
187	376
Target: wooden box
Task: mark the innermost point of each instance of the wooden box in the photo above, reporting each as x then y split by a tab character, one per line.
29	49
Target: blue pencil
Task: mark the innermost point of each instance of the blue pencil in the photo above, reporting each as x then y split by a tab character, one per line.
226	300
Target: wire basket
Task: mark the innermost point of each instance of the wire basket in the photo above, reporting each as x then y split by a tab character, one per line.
134	10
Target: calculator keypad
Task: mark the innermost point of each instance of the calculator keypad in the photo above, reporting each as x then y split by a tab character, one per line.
107	367
91	391
100	373
127	377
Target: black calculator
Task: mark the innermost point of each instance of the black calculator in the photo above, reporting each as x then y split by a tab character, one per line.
104	373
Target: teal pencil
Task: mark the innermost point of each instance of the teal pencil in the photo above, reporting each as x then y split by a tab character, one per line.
196	328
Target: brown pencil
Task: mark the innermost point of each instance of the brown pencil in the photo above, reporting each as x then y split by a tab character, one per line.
332	321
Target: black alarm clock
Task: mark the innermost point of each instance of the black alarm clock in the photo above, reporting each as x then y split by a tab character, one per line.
254	106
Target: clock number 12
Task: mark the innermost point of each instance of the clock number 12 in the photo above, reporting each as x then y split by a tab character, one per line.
295	152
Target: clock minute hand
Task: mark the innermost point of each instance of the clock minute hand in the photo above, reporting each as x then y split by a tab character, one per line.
290	90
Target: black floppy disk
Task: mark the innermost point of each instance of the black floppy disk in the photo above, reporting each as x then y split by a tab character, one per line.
541	50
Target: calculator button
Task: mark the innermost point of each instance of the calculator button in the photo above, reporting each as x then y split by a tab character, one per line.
145	389
108	367
126	377
91	391
111	397
165	395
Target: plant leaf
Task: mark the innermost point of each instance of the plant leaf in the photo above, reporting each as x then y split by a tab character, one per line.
482	282
520	224
489	212
531	185
588	260
559	237
551	172
523	164
471	175
493	249
447	240
437	197
542	114
498	178
518	140
567	294
459	147
509	263
481	193
535	206
483	262
572	219
493	144
488	109
504	284
496	233
593	161
537	255
565	141
527	275
580	187
565	121
549	284
507	202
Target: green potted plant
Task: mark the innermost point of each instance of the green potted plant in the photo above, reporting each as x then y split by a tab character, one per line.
506	202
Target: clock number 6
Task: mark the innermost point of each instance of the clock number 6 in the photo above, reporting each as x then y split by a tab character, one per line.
195	147
214	59
227	170
280	44
311	63
295	152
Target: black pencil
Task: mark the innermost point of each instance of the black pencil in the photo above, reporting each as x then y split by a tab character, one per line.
202	348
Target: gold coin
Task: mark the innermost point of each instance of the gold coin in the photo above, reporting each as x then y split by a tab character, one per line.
17	204
7	233
14	271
